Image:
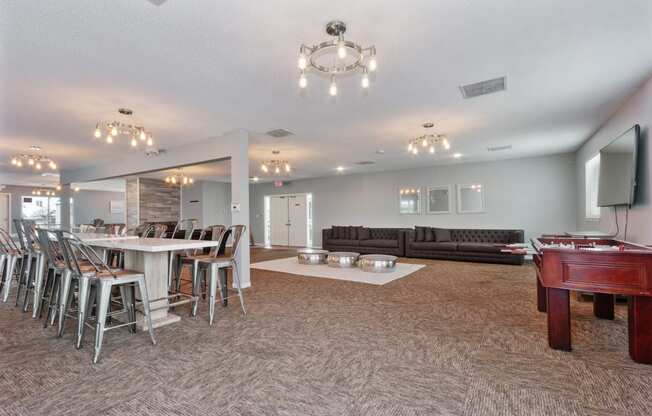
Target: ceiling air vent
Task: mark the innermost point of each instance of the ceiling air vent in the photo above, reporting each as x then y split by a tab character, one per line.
483	87
279	133
499	148
365	162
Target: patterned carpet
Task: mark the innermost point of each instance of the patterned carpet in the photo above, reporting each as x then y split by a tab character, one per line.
451	339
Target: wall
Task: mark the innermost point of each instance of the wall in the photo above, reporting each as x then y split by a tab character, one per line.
637	110
158	201
534	194
132	202
191	202
212	203
95	204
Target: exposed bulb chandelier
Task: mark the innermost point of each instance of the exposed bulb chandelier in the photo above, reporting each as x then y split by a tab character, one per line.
45	192
336	57
276	166
111	129
428	142
36	161
179	179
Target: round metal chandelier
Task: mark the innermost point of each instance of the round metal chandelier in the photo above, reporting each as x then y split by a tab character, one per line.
336	57
113	128
276	166
428	142
36	161
179	179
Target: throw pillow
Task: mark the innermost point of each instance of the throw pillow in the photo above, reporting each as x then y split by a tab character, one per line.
364	233
442	235
429	235
420	233
334	232
353	233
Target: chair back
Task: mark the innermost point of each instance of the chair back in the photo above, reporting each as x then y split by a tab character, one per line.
97	222
218	233
75	251
7	244
49	245
237	231
187	225
20	231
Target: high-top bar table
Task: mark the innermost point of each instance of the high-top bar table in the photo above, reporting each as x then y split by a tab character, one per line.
150	256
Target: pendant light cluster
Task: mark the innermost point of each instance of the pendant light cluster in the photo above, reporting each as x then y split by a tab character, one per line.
179	179
276	166
428	142
336	57
111	130
33	160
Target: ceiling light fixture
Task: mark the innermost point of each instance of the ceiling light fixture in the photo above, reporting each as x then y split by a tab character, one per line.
43	192
340	169
336	57
428	142
179	179
111	129
457	155
35	161
276	166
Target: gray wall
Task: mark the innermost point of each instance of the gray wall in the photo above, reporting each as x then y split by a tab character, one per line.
95	204
534	194
637	110
213	202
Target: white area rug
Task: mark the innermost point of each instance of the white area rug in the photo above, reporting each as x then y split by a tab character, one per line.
291	265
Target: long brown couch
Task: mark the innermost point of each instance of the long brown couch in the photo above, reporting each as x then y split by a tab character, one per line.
364	240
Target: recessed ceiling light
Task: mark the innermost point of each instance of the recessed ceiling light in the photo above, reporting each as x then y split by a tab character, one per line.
457	155
340	169
279	133
499	148
428	125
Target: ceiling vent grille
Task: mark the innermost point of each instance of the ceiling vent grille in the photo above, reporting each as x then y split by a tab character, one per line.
483	88
279	133
499	148
365	162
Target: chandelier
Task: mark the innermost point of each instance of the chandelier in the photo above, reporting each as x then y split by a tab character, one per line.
179	179
428	142
276	165
46	192
36	161
336	57
114	128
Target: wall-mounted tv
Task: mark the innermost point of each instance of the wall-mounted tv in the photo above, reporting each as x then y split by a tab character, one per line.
617	180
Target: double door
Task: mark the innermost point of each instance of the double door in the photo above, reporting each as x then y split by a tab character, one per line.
289	220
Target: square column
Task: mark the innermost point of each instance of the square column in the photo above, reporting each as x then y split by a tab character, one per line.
240	201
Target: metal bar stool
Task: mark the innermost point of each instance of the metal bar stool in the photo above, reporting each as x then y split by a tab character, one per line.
216	268
103	278
11	256
56	268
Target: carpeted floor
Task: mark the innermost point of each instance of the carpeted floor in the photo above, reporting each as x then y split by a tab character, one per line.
451	339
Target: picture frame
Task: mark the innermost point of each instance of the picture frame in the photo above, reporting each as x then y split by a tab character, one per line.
471	198
409	200
116	207
439	199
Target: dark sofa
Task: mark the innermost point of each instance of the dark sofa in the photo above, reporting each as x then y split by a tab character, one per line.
364	240
462	244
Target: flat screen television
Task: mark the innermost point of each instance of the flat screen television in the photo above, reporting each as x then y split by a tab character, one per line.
617	179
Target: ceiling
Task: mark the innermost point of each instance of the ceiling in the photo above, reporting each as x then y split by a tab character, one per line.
196	70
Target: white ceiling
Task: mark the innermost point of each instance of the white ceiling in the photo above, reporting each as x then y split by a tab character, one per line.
191	70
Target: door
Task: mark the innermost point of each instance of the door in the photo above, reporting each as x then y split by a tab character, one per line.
4	211
298	216
279	221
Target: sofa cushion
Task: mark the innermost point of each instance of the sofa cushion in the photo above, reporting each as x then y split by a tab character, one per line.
383	233
486	236
379	243
419	233
364	233
429	235
443	246
340	232
343	242
478	247
353	233
442	235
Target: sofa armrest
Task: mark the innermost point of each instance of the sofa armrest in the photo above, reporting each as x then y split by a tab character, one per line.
401	240
325	236
518	236
409	236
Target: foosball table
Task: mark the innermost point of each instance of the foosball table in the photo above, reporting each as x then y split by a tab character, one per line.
605	267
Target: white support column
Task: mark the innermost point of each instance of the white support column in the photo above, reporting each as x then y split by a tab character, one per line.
64	197
240	198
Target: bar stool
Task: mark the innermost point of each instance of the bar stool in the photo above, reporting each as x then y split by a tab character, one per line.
216	268
56	268
191	257
30	278
10	256
103	279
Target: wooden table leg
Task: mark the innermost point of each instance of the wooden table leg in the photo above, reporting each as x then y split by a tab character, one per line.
558	305
603	305
541	296
639	319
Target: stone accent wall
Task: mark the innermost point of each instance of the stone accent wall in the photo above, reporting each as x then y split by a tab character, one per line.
158	201
132	202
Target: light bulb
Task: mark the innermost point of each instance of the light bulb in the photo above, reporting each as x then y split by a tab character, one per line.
185	180
457	155
287	167
446	144
415	151
432	149
109	139
114	131
410	147
341	49
33	192
365	81
277	170
333	89
372	64
14	161
58	187
340	168
167	179
303	61
173	179
191	180
134	142
38	166
76	188
30	161
264	168
19	164
143	136
53	165
303	82
150	142
424	143
255	179
98	132
38	192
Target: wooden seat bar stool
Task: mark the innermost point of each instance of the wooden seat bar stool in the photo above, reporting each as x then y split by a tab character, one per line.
10	262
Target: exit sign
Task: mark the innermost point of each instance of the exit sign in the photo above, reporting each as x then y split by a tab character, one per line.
278	184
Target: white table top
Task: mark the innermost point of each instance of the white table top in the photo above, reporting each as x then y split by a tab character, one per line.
154	245
90	237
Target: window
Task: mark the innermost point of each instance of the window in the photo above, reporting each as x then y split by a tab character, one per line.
43	210
591	181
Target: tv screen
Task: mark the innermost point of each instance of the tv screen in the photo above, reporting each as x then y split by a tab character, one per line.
617	179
